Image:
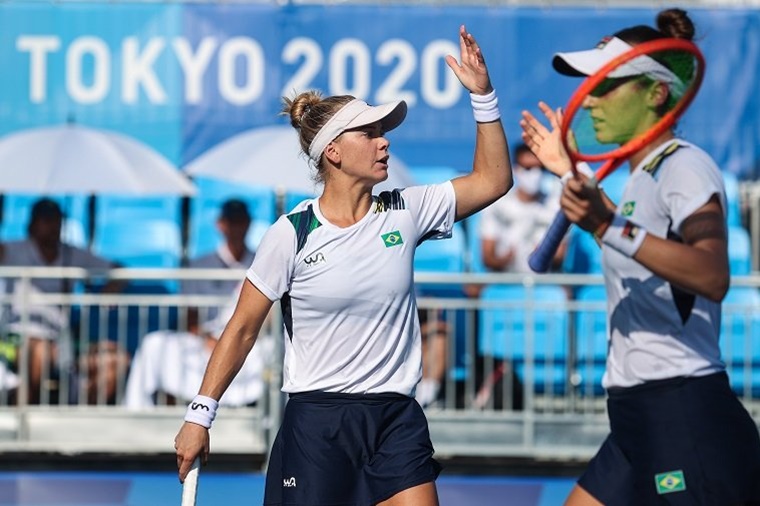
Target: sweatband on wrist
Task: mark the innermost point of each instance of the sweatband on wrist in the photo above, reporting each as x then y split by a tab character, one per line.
624	236
202	410
485	108
582	167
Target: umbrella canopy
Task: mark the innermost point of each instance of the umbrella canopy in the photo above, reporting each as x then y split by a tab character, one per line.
72	159
271	156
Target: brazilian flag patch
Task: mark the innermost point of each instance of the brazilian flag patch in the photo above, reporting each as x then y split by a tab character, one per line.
392	239
628	208
672	481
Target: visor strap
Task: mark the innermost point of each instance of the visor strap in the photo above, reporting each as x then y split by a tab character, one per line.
485	108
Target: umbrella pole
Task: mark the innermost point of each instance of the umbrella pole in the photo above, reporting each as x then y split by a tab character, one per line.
90	220
279	201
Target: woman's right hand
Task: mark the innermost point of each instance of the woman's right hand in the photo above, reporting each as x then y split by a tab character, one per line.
191	441
546	143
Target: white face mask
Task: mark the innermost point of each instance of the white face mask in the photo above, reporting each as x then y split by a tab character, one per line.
528	180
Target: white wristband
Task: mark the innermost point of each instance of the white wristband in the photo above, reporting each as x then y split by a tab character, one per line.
202	410
624	236
582	167
485	108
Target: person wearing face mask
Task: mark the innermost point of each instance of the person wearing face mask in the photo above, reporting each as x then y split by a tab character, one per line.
511	227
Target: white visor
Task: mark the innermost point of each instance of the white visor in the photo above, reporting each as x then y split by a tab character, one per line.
355	114
586	63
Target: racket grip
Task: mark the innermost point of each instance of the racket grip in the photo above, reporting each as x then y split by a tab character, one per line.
190	485
541	258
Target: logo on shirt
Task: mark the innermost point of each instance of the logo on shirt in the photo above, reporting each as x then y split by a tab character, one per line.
315	259
628	208
289	482
392	239
672	481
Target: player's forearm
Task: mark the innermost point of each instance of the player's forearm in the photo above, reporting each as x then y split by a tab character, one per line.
491	160
701	271
226	361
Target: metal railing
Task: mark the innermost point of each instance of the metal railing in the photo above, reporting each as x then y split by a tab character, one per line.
522	375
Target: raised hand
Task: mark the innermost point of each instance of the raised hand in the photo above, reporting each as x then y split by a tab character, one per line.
546	143
472	71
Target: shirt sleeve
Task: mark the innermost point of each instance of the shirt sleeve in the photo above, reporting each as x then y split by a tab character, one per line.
433	208
687	183
272	268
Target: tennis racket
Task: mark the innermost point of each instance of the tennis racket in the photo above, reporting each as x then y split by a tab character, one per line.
190	485
677	63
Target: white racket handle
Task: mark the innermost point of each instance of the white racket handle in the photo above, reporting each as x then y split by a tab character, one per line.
190	485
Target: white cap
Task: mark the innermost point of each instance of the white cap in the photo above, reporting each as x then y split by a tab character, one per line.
355	114
585	63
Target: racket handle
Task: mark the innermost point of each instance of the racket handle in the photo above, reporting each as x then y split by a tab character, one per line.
190	485
541	258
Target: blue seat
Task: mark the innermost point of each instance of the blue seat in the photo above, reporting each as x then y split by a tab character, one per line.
739	251
591	338
740	339
583	256
443	255
154	243
206	205
119	209
17	208
474	247
504	331
733	214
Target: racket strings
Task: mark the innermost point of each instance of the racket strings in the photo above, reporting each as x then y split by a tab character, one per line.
619	112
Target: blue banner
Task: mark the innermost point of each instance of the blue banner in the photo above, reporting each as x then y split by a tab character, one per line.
183	77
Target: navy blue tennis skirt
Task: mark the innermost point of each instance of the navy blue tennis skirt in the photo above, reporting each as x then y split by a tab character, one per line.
347	449
680	441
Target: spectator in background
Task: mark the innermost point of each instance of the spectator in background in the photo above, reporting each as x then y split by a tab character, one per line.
168	366
512	227
50	344
232	253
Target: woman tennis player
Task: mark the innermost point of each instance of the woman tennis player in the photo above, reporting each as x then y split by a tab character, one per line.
341	265
679	435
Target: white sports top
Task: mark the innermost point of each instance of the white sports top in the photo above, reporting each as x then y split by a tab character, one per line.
656	330
347	294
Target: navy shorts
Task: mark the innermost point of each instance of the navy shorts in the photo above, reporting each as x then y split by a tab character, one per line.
347	449
681	441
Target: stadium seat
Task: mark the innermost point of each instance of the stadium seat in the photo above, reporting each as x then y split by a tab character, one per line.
733	198
740	339
504	331
584	256
111	210
591	341
474	254
154	243
443	255
739	251
205	207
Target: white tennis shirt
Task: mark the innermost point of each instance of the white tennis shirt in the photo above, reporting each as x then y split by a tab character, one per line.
656	330
347	294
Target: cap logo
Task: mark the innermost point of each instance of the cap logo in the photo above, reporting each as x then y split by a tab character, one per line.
604	42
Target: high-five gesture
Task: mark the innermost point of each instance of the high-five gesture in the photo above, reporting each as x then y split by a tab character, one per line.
545	142
472	71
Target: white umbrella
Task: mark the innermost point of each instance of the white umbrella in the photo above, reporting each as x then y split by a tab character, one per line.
72	159
271	156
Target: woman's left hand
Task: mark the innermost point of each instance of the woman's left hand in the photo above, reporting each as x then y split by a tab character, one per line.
472	71
584	205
